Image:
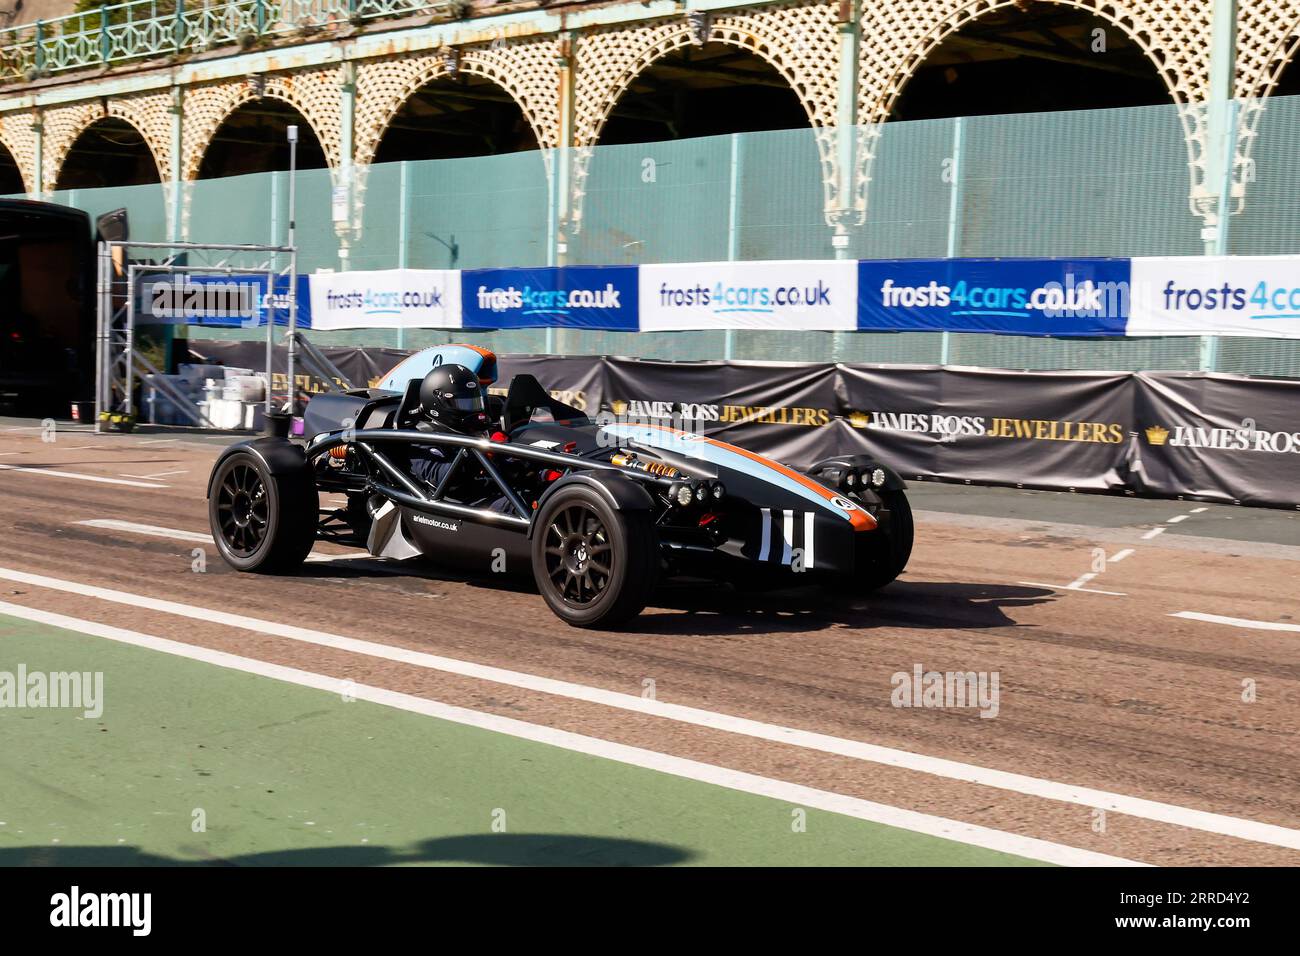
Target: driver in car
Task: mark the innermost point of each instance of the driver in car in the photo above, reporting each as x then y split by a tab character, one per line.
451	400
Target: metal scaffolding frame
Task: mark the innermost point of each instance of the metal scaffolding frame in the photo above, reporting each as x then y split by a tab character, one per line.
117	362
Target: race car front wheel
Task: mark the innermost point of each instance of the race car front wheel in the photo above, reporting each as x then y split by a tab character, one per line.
594	565
262	522
890	551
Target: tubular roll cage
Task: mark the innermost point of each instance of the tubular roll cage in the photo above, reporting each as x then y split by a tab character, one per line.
411	495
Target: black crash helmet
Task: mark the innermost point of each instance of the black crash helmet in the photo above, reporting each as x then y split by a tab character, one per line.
451	395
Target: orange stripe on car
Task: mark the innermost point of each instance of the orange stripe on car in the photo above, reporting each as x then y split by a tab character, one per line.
860	519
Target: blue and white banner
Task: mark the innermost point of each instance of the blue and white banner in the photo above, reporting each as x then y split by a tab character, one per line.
1193	295
1074	297
814	294
1229	295
388	299
573	297
217	300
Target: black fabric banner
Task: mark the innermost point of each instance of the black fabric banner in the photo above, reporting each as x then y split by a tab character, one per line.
1218	437
1163	434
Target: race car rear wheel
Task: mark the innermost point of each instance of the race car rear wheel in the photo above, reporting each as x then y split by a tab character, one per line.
887	559
594	565
262	522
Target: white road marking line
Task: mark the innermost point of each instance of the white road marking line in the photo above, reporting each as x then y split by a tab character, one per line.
1197	511
198	537
13	452
82	447
953	830
1071	587
1120	555
50	472
159	441
1177	518
112	524
156	475
1152	533
936	766
1081	580
1238	622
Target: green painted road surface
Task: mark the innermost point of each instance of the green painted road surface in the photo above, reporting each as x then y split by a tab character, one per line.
282	774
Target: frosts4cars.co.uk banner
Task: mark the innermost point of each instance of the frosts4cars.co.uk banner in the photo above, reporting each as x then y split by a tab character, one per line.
387	299
813	295
579	297
1227	295
1067	297
1194	295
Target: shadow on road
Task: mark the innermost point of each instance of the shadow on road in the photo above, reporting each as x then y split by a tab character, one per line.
717	609
708	608
489	849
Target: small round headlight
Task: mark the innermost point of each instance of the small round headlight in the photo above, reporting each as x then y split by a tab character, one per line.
718	491
877	477
851	479
701	492
682	495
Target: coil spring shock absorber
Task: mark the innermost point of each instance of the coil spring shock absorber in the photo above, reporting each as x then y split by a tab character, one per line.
649	467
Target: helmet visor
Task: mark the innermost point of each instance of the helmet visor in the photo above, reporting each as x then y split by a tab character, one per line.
473	403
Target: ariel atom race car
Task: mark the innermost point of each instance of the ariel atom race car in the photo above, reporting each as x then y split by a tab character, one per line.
598	511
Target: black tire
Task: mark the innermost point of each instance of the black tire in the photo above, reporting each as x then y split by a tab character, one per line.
594	565
262	522
890	556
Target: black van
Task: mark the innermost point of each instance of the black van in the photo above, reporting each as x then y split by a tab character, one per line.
47	308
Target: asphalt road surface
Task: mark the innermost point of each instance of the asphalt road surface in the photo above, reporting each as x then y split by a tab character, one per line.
1147	705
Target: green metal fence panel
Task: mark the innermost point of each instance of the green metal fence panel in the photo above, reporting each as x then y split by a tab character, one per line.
1090	183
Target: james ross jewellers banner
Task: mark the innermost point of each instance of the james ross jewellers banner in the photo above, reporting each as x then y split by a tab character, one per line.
1168	434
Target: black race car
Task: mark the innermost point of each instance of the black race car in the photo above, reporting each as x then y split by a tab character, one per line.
598	510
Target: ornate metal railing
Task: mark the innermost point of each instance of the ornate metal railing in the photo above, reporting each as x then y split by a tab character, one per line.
144	29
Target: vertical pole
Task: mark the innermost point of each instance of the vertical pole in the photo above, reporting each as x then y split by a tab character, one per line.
293	266
954	219
1220	145
176	184
178	26
38	157
846	123
104	43
840	210
403	183
101	292
270	336
564	153
346	178
128	374
38	57
733	230
552	204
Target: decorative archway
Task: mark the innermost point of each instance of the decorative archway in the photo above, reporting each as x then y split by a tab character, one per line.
905	33
524	71
11	176
314	94
799	41
110	151
1268	44
63	125
19	138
